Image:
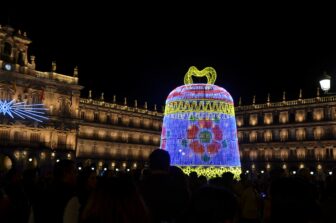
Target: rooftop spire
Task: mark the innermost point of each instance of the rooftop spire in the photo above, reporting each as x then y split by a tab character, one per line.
53	66
75	73
90	94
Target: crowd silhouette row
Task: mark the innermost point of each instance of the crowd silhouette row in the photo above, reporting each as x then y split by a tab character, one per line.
162	193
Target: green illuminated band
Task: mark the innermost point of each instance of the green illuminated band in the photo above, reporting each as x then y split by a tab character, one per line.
220	107
211	171
208	72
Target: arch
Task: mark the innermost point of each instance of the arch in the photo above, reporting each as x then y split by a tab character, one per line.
6	162
21	60
7	50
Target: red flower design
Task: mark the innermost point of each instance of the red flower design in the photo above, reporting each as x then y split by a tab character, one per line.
213	148
192	131
214	133
205	123
217	132
197	147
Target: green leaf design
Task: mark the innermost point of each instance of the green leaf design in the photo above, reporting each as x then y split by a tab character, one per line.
184	142
224	143
205	158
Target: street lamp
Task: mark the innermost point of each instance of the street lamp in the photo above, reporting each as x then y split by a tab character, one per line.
325	82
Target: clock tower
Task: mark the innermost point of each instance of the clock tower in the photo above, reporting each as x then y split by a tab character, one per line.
14	50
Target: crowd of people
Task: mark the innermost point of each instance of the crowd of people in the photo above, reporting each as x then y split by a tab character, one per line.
162	193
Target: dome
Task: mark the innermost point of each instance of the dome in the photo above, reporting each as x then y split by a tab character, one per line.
199	126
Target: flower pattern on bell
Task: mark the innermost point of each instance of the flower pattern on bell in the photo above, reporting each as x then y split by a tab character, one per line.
197	147
205	138
192	132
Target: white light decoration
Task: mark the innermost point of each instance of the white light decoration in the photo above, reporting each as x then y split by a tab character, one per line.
105	169
294	172
79	168
325	84
35	112
330	172
262	171
311	173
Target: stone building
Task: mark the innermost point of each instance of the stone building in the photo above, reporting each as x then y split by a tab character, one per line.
290	134
93	132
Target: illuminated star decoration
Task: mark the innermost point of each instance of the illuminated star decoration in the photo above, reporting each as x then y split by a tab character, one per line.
35	112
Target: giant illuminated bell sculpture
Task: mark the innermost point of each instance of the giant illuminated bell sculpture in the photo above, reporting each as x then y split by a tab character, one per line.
199	127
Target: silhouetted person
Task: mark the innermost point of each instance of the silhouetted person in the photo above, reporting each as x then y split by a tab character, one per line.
52	204
86	183
157	187
17	206
159	160
293	200
212	205
116	200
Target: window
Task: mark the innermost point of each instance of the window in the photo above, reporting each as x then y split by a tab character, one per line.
253	136
300	116
253	119
283	135
4	135
268	118
82	115
283	117
268	136
34	137
300	134
7	51
95	117
20	59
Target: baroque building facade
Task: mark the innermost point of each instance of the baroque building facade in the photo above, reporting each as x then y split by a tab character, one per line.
93	132
290	134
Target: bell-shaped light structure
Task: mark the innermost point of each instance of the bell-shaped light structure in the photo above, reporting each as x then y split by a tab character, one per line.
199	127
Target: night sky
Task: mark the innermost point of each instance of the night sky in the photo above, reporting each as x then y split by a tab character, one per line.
144	54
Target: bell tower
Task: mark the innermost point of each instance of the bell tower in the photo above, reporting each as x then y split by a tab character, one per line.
14	50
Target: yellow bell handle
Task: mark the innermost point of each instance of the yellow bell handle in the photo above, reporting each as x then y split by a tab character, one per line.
208	72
